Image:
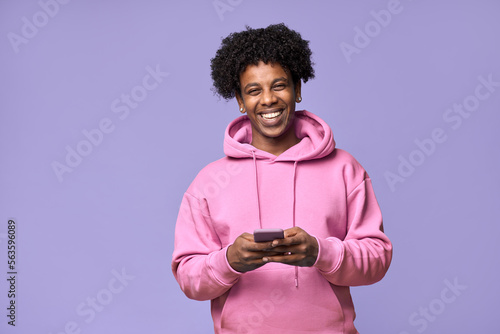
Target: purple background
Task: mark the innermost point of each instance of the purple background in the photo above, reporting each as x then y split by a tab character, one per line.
116	210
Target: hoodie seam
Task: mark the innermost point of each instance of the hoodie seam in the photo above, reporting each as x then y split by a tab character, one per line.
337	265
206	216
359	185
214	272
198	200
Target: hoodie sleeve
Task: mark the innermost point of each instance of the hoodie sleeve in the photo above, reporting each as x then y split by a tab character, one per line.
199	261
364	256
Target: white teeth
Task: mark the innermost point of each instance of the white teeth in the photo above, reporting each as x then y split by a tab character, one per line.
271	115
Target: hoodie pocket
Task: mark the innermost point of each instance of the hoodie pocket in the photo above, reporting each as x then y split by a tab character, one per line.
267	301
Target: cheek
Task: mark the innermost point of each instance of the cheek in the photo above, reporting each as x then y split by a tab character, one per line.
289	99
251	103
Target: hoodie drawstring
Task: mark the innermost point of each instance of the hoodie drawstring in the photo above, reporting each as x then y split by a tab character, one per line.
293	218
257	187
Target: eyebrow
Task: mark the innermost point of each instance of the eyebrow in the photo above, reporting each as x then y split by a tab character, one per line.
252	84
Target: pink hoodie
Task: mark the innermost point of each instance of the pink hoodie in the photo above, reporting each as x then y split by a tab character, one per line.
323	190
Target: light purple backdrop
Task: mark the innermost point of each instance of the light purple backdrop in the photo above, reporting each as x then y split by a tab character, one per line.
107	115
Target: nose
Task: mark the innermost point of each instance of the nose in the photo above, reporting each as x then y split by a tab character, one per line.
268	97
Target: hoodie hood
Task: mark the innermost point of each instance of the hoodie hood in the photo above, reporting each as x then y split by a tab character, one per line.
315	135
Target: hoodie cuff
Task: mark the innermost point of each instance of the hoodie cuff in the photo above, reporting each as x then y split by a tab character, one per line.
221	268
330	254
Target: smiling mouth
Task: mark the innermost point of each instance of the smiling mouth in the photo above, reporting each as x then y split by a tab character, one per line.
271	115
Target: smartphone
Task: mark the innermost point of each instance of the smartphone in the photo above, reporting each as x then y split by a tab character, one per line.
268	234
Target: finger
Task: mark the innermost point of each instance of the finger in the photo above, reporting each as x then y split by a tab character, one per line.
247	236
292	231
286	258
288	241
251	258
248	243
261	246
271	254
284	249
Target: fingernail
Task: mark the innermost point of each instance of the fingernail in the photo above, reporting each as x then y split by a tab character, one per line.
265	259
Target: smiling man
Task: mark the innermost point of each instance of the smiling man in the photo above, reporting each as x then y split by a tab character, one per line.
286	174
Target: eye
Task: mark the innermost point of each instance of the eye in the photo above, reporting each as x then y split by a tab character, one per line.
279	86
253	92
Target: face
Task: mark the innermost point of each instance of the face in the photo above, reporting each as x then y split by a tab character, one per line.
268	96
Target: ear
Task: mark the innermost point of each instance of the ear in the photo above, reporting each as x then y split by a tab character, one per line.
297	91
239	99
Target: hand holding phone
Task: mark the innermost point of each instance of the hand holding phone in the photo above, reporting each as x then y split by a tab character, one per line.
268	234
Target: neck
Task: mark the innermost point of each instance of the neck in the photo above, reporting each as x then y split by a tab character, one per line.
277	145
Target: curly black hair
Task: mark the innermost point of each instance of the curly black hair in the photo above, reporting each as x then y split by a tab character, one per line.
275	44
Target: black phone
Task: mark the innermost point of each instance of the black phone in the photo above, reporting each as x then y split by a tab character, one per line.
268	234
